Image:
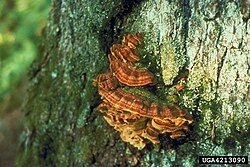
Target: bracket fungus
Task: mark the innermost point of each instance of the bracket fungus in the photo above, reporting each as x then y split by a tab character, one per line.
137	118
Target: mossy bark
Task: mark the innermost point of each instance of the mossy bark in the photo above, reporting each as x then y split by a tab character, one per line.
209	38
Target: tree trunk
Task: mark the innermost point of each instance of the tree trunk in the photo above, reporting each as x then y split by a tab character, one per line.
210	38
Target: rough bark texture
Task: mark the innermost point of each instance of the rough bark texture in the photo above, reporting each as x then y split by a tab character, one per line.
210	38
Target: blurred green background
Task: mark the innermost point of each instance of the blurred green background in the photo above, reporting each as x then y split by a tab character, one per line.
21	25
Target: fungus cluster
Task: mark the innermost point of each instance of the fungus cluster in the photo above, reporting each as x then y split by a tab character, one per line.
137	118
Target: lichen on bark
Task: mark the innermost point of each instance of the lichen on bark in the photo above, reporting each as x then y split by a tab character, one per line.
63	129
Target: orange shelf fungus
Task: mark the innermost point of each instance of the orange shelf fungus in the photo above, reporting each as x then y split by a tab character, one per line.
124	53
131	76
132	40
138	119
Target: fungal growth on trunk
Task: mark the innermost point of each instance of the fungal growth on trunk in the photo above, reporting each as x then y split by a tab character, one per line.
139	119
